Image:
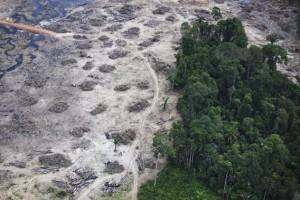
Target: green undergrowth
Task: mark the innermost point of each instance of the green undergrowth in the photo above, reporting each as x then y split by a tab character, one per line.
175	184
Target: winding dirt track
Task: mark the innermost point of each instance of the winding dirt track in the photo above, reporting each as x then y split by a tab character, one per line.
133	151
142	126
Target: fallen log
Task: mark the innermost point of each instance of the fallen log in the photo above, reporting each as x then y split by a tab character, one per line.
29	28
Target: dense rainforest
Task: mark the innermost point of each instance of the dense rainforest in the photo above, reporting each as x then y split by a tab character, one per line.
240	129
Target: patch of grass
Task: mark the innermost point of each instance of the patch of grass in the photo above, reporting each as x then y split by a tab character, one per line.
57	194
175	184
61	194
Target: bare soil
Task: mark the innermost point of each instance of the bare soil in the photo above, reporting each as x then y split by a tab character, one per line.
58	112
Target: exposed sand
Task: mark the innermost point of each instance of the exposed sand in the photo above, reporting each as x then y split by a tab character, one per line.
63	83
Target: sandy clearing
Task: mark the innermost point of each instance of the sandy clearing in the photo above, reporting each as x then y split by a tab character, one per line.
94	149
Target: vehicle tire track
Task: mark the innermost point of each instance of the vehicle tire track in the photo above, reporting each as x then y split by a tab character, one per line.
133	152
142	126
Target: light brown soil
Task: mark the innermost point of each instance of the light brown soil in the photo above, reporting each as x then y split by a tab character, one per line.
34	131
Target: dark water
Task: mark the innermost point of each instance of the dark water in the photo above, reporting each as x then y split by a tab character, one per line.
41	10
45	10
